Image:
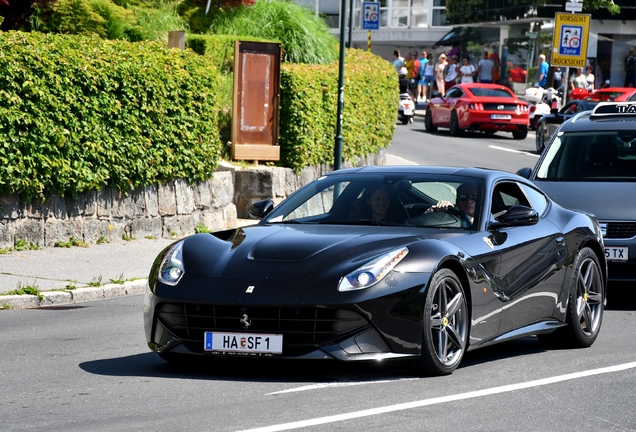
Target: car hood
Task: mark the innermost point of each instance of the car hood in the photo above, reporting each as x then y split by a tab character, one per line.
606	200
281	252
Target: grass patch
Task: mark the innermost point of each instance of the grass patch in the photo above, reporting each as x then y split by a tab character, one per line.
97	281
102	240
200	228
28	290
72	242
127	237
119	280
150	237
21	244
7	306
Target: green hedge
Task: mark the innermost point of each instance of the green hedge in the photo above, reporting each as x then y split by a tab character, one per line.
79	113
309	107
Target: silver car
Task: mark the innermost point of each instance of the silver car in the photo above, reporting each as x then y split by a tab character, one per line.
590	164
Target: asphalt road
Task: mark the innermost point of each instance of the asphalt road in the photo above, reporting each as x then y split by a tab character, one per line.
86	367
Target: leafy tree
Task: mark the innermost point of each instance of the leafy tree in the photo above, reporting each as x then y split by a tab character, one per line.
304	38
16	13
469	11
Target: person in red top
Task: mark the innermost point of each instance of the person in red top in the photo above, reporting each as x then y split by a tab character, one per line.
417	65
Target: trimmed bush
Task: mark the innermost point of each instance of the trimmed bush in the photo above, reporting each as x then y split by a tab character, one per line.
309	107
79	113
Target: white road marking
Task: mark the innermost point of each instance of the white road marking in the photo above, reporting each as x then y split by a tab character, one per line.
513	151
443	399
337	384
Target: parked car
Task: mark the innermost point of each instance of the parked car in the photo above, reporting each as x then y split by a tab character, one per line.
323	276
549	123
478	107
590	164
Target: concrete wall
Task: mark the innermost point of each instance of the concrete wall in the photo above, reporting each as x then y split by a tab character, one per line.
169	210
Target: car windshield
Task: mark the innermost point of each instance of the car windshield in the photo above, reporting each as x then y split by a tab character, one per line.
590	156
490	92
383	199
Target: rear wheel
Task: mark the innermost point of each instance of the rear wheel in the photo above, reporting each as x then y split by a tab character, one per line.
445	325
428	121
405	119
585	305
542	136
454	125
521	133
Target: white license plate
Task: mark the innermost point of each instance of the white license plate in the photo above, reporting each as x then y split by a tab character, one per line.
408	111
617	253
243	343
500	116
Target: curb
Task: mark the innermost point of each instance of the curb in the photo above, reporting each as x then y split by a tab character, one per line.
79	295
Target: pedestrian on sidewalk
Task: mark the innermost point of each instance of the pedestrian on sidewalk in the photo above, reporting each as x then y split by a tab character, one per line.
429	76
450	78
440	67
467	71
421	83
484	69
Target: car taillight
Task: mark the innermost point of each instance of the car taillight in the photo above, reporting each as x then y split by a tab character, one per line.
532	109
476	106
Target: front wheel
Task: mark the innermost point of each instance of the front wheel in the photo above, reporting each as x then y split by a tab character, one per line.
585	305
521	133
428	121
444	326
542	135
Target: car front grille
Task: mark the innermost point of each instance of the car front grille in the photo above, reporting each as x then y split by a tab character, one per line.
620	230
299	326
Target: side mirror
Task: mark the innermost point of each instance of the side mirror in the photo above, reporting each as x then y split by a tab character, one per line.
517	216
260	209
525	172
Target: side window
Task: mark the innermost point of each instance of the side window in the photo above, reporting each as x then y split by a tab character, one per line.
538	200
571	109
454	93
506	195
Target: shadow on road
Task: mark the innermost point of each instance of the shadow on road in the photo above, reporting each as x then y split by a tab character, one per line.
282	370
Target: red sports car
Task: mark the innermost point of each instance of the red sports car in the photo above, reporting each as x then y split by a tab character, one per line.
478	107
613	94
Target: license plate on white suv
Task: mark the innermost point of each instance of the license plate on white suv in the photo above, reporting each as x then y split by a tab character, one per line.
243	343
617	253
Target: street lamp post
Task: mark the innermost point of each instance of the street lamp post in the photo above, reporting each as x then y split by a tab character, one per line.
337	160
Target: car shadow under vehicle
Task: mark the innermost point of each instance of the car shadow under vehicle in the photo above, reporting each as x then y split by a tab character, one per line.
285	370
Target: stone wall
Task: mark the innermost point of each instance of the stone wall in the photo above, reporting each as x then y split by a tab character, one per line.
169	210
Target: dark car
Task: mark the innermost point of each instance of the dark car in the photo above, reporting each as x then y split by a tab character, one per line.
549	123
478	107
590	164
375	263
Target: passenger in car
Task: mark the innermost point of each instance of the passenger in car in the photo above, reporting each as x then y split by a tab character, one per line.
379	206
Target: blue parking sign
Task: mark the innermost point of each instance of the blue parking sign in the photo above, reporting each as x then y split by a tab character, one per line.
370	15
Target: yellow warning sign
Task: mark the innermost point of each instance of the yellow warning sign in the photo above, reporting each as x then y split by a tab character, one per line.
569	42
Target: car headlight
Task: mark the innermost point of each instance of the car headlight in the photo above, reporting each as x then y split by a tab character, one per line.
373	271
171	269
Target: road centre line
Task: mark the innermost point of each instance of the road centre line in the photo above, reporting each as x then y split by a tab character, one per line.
513	151
443	399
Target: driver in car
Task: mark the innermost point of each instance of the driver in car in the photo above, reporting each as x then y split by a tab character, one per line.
465	203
